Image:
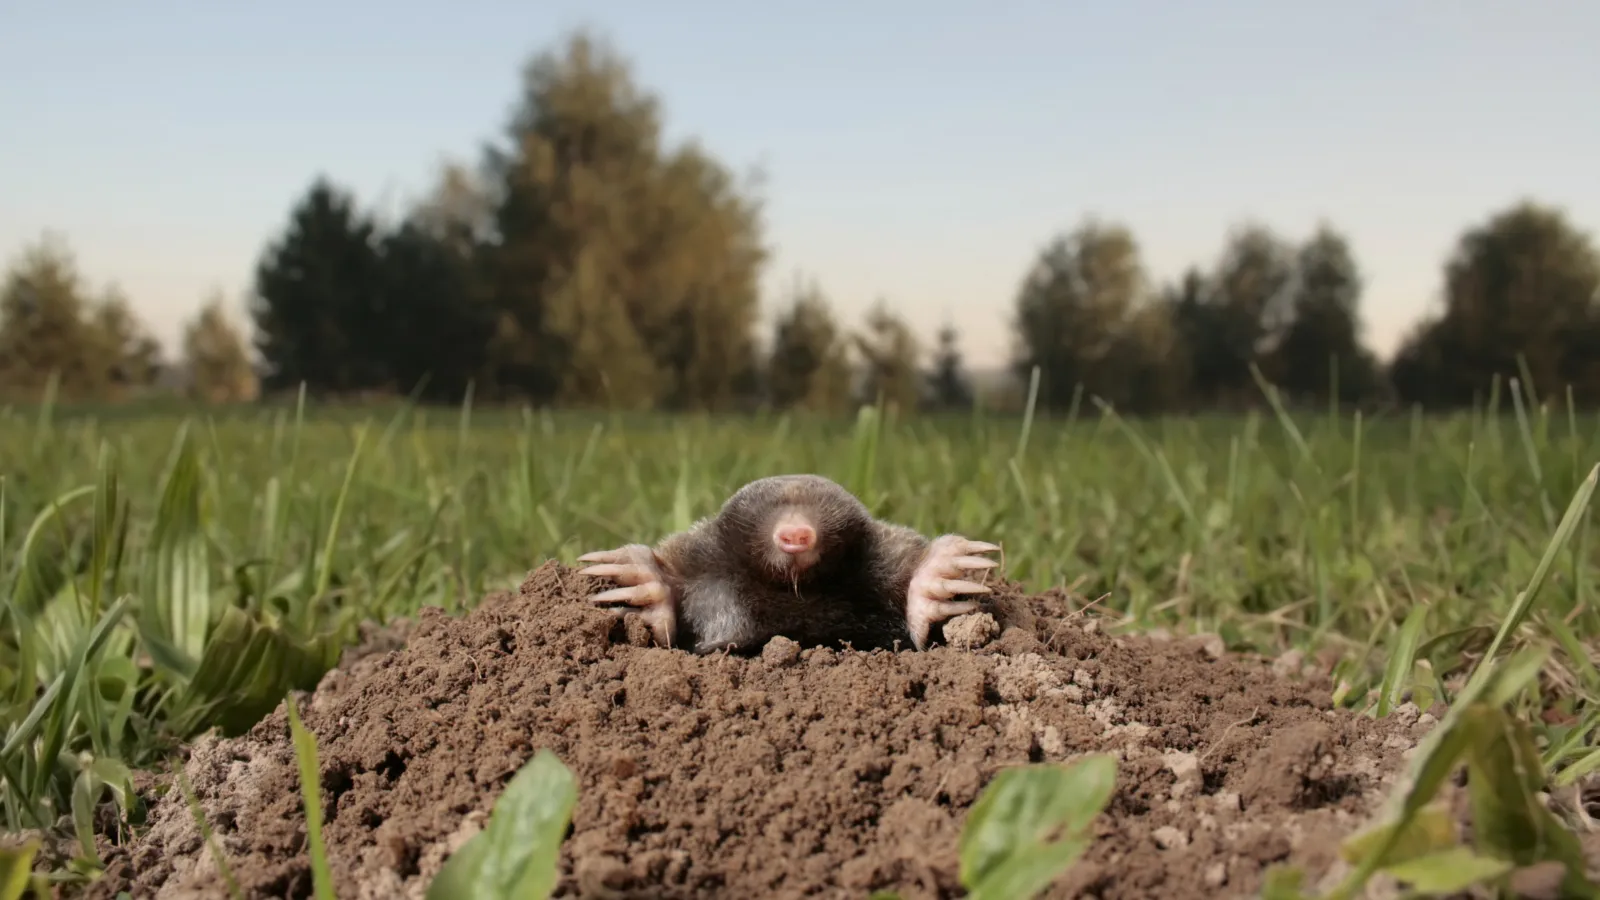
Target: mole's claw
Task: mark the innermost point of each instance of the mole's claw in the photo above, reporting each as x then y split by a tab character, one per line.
624	572
940	578
644	586
649	593
949	609
955	586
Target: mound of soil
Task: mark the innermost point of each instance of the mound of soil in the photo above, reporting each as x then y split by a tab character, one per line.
795	772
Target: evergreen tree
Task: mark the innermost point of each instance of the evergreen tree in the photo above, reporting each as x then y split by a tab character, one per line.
1321	350
319	310
437	320
949	386
1251	289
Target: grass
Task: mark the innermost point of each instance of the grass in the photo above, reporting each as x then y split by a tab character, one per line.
164	573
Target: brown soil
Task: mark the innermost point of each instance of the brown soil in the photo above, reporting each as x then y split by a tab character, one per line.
793	773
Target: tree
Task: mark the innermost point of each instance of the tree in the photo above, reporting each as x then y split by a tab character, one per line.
605	358
1199	331
217	357
1251	292
458	211
438	320
891	358
620	271
949	386
1320	351
1417	371
1072	307
319	306
1522	287
132	353
809	364
45	327
1147	362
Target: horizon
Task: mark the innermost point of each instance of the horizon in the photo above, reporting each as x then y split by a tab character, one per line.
168	149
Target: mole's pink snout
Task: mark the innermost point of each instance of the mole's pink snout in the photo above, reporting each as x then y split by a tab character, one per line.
795	538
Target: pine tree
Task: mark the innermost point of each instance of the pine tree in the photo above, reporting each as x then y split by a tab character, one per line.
1321	351
318	305
949	386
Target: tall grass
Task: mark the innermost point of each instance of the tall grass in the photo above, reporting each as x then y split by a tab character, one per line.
165	573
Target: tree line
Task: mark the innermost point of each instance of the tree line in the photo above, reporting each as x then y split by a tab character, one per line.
585	262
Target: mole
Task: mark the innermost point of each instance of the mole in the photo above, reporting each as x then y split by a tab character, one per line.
797	556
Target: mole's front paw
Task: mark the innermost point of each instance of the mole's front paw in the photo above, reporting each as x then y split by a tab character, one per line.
941	576
645	586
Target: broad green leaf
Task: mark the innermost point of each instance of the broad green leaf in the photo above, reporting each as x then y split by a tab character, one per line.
458	877
175	587
16	869
1283	882
1431	830
60	713
1029	871
1393	840
247	669
1023	807
1448	871
515	856
165	654
117	778
1504	779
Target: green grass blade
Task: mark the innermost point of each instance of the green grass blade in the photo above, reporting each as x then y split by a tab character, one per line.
305	754
1525	599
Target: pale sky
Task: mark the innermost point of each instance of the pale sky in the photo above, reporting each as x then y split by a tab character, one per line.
921	152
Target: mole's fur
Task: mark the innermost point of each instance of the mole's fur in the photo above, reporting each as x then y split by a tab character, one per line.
797	556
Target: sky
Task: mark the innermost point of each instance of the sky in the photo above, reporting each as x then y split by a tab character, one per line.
921	153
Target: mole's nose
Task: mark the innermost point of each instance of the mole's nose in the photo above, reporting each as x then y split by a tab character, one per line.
795	538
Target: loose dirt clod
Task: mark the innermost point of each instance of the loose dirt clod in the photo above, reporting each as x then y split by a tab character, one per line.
795	772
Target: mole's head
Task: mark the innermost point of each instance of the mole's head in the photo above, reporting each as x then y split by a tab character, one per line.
788	527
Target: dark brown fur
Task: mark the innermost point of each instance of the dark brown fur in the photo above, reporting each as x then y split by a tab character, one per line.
735	595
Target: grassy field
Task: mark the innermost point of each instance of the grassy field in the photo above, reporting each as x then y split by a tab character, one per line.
164	573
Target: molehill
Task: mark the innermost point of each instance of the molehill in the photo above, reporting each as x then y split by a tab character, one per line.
815	772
